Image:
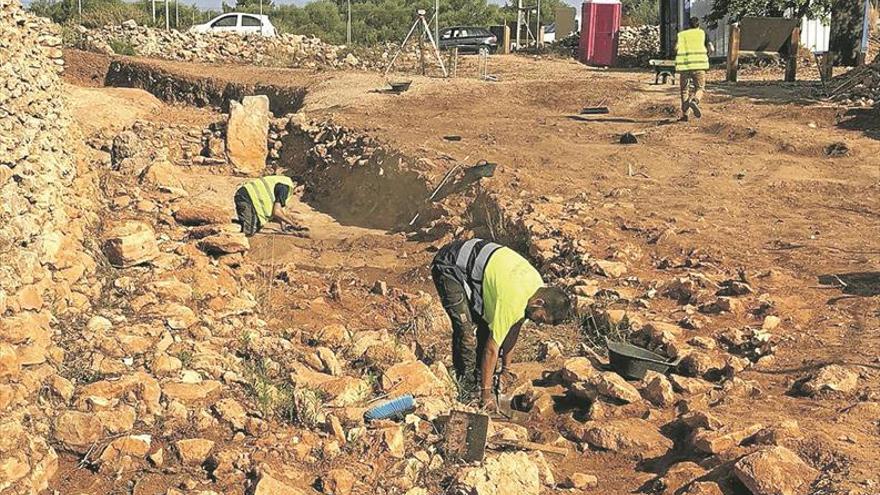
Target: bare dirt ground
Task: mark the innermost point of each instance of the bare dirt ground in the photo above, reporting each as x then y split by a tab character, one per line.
750	187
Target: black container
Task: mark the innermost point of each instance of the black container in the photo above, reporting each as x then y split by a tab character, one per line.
399	86
633	362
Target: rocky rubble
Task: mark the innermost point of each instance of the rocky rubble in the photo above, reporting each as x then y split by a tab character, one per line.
285	50
638	44
46	274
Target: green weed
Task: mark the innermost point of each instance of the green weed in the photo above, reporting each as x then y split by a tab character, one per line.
122	47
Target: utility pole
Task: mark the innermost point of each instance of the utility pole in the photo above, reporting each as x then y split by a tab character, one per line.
79	8
437	21
167	18
261	7
177	14
518	21
540	32
153	3
348	25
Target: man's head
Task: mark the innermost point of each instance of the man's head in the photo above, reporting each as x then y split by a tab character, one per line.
694	22
549	305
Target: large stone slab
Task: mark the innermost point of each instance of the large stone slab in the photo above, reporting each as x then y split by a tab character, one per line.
247	133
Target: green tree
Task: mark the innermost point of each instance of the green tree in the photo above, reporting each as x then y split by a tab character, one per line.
640	12
737	9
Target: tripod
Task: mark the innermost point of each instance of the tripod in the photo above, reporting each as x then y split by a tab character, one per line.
420	22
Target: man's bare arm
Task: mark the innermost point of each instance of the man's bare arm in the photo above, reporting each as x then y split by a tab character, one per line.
509	343
283	217
487	370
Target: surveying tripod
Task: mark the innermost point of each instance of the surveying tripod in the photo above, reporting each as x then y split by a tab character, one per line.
420	22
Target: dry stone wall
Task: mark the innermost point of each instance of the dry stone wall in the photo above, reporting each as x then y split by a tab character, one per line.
285	50
638	44
44	270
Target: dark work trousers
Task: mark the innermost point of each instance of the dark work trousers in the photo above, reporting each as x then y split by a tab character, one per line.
247	215
469	330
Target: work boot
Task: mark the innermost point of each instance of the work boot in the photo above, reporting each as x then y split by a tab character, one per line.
696	108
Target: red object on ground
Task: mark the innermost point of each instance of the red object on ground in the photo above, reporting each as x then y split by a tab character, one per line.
600	32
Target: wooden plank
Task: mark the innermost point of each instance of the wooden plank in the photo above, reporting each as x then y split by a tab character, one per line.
733	52
794	44
525	445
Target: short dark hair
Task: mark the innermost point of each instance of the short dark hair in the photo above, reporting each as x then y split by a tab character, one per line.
694	22
557	304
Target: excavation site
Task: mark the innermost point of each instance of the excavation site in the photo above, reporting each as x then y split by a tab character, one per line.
721	274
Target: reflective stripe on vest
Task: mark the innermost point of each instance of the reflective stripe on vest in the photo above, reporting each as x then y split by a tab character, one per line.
262	194
471	261
690	50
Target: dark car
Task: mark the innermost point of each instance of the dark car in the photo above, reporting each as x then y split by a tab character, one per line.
468	39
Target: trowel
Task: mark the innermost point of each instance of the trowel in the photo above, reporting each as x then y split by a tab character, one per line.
510	409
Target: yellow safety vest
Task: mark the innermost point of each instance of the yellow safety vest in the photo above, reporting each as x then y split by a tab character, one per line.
690	51
262	194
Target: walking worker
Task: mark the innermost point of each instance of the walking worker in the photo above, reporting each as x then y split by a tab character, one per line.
488	291
262	200
691	63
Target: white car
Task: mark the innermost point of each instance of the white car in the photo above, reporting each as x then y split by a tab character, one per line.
235	22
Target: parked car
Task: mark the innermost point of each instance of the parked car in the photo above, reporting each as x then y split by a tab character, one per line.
235	22
468	39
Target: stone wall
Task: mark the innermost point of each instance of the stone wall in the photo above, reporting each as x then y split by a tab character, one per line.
43	265
283	50
638	44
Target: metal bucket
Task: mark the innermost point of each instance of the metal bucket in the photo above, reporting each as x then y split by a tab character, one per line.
633	362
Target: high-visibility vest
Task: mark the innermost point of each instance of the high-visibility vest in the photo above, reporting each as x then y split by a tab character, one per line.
690	51
471	258
262	194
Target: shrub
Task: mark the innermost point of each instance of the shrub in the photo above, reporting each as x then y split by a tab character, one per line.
122	47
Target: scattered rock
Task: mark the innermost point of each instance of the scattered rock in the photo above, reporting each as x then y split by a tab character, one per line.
607	384
581	481
610	269
337	482
232	412
224	243
774	471
634	437
577	369
130	243
658	389
267	485
716	442
200	214
78	431
194	451
833	378
412	377
508	473
135	446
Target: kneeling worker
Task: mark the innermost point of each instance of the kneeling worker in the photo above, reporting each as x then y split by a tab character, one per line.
488	291
262	200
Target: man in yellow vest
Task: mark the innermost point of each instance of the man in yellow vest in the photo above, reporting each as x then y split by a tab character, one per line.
488	291
691	63
262	200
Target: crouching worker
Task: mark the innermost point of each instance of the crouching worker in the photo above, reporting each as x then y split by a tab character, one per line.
488	291
262	200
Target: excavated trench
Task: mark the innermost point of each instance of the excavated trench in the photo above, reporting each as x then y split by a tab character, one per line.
346	174
199	91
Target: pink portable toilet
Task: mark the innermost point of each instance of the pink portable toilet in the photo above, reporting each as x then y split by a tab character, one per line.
600	32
